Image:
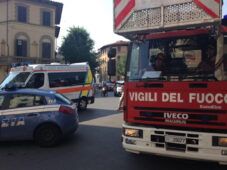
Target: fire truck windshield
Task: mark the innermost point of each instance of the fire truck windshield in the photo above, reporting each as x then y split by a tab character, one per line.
187	58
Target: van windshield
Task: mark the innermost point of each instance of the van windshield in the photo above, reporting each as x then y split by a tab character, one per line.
15	77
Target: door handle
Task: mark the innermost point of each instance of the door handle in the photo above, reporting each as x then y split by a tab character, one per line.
32	114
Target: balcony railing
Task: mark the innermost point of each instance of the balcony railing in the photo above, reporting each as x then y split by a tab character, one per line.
33	60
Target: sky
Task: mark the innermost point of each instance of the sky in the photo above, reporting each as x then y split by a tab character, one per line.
96	16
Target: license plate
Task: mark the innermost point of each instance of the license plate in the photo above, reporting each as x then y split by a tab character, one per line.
175	139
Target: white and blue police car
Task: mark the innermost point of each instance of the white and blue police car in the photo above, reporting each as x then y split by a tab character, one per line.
41	115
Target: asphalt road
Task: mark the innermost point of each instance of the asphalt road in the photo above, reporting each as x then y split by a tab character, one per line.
95	146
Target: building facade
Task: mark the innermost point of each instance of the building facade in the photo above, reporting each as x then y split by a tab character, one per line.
28	31
121	51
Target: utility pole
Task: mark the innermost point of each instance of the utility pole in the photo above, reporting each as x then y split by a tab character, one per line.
7	28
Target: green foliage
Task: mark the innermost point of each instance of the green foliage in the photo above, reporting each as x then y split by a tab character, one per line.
121	65
77	47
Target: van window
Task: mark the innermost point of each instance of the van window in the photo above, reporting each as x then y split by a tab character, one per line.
66	79
36	81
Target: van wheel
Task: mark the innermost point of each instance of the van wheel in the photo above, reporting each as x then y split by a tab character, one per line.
82	104
47	135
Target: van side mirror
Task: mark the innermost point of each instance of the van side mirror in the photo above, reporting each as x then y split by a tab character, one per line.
112	53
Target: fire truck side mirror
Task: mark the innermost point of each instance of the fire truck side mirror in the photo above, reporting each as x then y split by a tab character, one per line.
112	53
112	67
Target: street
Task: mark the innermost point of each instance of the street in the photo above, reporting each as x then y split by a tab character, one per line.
96	145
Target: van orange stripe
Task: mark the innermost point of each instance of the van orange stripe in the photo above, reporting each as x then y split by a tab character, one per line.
74	89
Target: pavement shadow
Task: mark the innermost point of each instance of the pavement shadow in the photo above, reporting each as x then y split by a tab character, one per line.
91	113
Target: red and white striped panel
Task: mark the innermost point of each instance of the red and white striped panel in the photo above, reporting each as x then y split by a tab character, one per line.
211	7
123	9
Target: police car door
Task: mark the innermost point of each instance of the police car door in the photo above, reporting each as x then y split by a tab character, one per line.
16	118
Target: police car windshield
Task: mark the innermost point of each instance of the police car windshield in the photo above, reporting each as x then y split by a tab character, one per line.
15	77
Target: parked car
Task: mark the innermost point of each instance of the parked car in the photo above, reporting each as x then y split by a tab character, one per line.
31	114
118	88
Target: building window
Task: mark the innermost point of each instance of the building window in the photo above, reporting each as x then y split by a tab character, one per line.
21	46
46	48
46	53
46	18
22	14
3	48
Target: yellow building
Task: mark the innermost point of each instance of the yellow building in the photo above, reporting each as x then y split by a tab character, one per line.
121	49
28	31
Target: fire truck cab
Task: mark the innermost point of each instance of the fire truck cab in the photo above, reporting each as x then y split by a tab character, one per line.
175	101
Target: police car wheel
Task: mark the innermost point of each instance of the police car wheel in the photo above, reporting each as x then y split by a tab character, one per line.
82	104
47	135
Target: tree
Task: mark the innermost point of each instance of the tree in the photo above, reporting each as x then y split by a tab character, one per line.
121	64
77	47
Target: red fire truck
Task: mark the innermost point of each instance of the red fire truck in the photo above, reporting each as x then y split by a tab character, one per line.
175	101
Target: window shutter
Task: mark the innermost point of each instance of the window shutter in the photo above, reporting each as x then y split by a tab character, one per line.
24	48
46	52
21	48
46	18
22	14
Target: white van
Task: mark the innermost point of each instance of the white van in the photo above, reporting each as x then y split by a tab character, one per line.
75	81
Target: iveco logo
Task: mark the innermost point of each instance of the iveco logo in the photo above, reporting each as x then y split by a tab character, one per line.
176	116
